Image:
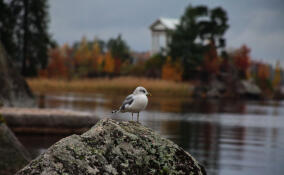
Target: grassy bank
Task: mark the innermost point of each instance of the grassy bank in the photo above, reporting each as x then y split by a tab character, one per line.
112	86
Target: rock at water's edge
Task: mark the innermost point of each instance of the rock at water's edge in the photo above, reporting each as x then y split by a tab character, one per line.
112	147
13	156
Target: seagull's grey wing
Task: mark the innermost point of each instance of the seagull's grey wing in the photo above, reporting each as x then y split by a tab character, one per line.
127	102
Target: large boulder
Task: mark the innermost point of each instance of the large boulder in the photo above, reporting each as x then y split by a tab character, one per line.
13	156
14	91
112	147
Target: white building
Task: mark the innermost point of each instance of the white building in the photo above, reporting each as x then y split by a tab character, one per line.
159	32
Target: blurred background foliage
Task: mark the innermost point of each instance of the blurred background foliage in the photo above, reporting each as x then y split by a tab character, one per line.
24	33
197	50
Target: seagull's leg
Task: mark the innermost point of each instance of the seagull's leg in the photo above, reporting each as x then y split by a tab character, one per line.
138	117
132	117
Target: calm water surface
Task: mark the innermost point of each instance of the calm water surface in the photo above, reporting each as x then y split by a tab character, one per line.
227	137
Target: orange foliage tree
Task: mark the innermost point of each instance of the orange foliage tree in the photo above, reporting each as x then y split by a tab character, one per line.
172	70
241	59
211	63
117	66
277	76
87	59
96	58
57	66
109	65
67	53
263	71
262	77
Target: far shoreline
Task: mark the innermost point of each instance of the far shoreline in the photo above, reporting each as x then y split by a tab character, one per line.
122	85
125	85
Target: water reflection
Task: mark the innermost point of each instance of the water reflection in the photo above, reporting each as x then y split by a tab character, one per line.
228	137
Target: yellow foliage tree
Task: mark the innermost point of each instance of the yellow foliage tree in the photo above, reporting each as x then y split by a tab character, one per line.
82	53
83	59
96	57
172	71
109	63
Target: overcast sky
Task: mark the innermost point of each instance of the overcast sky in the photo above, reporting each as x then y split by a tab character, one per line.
256	23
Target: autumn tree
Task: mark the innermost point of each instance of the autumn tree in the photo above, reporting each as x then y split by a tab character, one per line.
67	53
263	78
241	60
100	64
83	59
95	56
119	50
197	28
109	65
277	76
57	67
211	64
172	70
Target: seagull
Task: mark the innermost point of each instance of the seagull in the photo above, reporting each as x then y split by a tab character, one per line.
135	102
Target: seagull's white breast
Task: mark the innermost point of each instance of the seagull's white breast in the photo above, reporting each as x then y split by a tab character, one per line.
140	102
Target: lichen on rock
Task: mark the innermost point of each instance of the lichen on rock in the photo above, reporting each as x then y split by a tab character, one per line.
112	147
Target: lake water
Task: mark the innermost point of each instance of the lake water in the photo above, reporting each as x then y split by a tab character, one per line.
227	136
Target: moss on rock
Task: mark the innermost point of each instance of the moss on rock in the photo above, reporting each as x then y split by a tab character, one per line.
112	147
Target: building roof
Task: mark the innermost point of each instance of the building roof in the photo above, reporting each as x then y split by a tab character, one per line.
165	24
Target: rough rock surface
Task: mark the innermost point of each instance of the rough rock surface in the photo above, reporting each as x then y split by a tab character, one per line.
112	147
14	91
13	156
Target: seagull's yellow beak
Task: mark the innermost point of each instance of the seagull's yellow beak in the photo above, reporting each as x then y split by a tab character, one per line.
149	94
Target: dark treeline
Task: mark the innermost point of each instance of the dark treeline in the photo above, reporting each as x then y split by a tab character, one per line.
24	33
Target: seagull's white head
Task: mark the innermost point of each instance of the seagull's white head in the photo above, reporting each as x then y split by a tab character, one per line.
141	90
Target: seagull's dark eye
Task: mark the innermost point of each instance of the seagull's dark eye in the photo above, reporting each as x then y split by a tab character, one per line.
142	90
